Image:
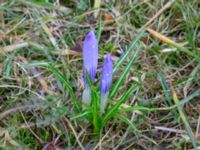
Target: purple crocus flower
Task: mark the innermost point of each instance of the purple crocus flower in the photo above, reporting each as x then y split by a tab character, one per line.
106	79
90	54
90	60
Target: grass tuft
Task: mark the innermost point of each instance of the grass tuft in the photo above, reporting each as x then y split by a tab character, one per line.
154	45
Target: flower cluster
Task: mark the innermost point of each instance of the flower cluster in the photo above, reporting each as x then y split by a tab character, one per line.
90	61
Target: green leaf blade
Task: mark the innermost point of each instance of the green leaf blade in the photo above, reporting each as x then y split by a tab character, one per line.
124	73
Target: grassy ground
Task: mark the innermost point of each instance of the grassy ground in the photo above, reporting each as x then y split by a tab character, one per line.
36	110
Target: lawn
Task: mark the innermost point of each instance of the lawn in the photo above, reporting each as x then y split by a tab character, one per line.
100	74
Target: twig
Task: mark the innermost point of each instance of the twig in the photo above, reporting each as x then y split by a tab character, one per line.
10	48
15	109
157	14
74	132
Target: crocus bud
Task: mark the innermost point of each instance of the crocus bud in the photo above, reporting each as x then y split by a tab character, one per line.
90	54
90	60
106	79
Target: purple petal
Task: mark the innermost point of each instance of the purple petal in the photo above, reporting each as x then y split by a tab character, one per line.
106	75
90	54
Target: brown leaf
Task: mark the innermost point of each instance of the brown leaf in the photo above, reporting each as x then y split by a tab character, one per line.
107	17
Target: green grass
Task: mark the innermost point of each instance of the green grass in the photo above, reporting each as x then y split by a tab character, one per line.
154	97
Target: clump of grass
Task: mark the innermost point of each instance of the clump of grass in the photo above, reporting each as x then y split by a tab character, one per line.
93	111
41	69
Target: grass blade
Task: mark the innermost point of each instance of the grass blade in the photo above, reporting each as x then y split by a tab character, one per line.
122	59
64	80
114	108
174	44
185	121
180	103
46	5
94	105
35	63
80	115
134	108
124	73
137	132
99	27
128	121
96	119
167	90
190	97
